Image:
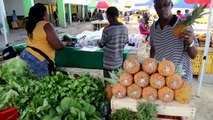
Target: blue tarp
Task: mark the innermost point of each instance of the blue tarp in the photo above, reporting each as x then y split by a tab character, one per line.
182	4
149	3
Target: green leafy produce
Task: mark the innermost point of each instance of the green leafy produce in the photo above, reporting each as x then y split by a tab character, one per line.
44	98
15	66
70	39
122	114
76	108
14	72
146	111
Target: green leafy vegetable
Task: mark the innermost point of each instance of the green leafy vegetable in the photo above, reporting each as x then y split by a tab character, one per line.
15	66
122	114
52	97
146	111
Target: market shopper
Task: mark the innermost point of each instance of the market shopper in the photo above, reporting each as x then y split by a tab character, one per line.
15	20
144	30
187	14
180	15
41	43
146	17
113	41
165	46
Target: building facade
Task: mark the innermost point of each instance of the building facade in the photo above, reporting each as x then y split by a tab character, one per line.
67	10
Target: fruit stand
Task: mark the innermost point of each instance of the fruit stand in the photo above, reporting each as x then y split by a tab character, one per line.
157	84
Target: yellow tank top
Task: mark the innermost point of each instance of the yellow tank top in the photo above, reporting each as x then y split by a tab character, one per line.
40	42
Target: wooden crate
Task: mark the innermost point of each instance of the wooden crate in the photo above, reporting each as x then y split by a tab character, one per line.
171	109
197	62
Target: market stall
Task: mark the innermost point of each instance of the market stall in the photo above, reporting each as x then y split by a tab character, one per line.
100	23
77	57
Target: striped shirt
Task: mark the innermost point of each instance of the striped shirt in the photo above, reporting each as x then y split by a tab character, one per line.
170	48
114	38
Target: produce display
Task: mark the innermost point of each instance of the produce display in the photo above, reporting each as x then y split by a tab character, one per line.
145	111
166	68
122	114
57	97
134	91
131	65
201	37
73	97
174	81
141	79
157	81
119	91
166	94
149	93
163	81
183	94
149	65
126	79
113	81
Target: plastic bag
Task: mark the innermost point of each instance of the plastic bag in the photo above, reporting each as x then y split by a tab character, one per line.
143	52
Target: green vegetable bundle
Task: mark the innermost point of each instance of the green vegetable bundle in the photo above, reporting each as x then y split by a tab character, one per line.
47	97
122	114
145	111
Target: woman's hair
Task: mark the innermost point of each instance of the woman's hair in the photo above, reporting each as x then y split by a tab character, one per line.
35	15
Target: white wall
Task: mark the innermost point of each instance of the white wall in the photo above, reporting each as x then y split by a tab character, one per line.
16	5
77	2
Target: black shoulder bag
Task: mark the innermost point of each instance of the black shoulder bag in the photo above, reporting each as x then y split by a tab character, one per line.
51	64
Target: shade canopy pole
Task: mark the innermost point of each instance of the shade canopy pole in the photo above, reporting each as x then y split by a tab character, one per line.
209	28
3	17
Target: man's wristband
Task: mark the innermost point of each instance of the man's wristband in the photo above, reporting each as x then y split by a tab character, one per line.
192	44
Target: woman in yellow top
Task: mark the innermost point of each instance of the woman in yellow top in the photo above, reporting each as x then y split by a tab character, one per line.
42	37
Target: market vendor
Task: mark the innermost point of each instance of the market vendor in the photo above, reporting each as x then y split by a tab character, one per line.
41	43
114	38
165	46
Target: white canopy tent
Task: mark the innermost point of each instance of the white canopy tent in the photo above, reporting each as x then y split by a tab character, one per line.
3	19
208	37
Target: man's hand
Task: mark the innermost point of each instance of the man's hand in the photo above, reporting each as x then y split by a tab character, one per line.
186	36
